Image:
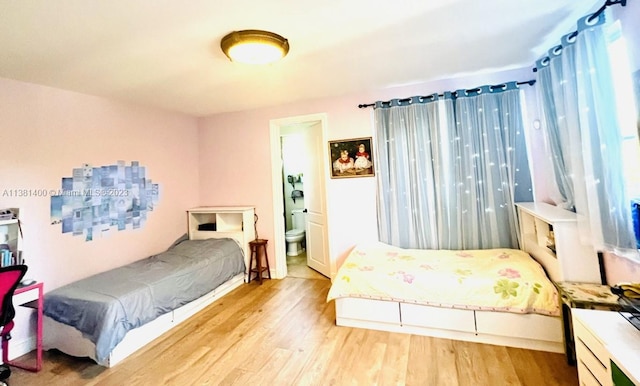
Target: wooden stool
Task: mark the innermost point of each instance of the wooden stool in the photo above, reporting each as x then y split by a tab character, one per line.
255	254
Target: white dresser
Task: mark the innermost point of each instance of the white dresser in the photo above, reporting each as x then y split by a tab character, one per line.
607	348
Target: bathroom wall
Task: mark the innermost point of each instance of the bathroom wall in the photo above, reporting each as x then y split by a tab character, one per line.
291	156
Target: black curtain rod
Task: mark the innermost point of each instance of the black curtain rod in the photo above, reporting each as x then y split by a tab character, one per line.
604	6
529	82
595	16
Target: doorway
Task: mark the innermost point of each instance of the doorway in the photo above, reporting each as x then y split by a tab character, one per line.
310	131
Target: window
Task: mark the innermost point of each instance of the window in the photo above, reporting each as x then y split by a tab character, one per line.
627	103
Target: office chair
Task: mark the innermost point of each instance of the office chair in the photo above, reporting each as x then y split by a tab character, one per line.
10	277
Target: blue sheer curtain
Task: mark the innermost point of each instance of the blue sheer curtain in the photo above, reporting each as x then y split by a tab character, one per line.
406	179
588	134
450	169
557	114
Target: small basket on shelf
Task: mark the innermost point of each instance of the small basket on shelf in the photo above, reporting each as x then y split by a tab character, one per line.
6	214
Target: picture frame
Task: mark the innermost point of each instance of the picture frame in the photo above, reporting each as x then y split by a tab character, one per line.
351	158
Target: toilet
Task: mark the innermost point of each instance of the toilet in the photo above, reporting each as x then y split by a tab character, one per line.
295	236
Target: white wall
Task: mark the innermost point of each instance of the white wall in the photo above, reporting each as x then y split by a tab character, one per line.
292	163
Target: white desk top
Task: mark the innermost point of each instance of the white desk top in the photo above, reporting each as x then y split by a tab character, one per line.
26	294
618	335
220	209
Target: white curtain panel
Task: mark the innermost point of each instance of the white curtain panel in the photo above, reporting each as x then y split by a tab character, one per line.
579	103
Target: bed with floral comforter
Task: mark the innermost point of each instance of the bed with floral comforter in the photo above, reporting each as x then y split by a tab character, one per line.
504	280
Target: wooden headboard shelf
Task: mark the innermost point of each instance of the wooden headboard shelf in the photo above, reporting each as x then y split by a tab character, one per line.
235	222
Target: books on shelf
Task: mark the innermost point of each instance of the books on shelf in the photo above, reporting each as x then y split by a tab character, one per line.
10	235
8	258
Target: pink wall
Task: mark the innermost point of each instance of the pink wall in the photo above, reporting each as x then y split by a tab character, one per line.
235	166
620	269
235	162
218	160
47	132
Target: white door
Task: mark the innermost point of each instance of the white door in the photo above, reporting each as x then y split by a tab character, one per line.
314	201
314	177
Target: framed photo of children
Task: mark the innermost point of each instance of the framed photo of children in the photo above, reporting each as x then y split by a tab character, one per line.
351	158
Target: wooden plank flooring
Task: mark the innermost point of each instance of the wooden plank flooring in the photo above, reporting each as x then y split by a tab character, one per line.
283	333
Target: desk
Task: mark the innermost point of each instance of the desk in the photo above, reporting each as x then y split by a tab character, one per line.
607	348
29	296
586	296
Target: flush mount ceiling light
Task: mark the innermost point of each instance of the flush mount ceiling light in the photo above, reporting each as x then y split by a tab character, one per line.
254	46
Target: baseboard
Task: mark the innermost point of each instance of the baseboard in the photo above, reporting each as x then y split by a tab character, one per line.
20	348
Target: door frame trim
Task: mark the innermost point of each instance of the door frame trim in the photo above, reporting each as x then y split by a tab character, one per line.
277	184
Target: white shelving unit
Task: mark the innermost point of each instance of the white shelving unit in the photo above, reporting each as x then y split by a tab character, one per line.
10	233
564	256
236	222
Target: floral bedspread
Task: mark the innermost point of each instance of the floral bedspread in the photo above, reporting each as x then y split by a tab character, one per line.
506	280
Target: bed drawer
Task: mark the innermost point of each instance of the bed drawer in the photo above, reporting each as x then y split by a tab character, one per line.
368	309
434	317
528	326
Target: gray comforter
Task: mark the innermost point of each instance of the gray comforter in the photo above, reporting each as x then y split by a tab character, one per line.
107	305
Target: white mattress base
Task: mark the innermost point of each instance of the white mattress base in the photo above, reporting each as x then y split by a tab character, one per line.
529	331
70	340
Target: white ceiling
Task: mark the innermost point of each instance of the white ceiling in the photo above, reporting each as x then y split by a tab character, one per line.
166	53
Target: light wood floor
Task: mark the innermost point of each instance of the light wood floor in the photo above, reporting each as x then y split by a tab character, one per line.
283	333
297	267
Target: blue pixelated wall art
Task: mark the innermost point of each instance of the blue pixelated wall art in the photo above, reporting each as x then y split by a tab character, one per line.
97	199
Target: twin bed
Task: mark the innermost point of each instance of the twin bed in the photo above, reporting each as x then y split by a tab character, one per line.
110	315
498	296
